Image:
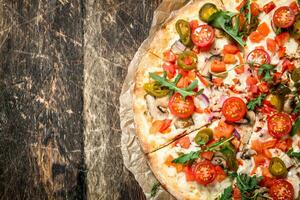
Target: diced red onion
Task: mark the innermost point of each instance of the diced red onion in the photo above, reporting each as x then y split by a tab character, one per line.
178	47
236	134
205	99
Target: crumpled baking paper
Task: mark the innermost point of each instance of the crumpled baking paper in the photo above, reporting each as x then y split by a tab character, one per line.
134	158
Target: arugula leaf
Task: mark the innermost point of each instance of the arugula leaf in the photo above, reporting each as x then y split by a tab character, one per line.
297	108
266	69
227	194
222	20
190	157
291	153
247	185
247	8
296	127
256	102
172	85
154	189
185	158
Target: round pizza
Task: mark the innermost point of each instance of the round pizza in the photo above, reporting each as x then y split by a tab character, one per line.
216	101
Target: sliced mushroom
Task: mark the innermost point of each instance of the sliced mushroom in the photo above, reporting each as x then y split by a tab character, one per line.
289	104
183	123
247	154
249	118
163	101
154	111
219	159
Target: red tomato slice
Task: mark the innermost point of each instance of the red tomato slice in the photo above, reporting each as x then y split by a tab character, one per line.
284	17
282	190
258	57
279	125
169	56
234	109
203	36
204	172
181	108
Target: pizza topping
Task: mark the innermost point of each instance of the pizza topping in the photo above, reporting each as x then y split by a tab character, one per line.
279	125
234	109
187	60
223	130
223	20
275	101
203	36
296	75
282	190
277	168
182	108
284	17
230	155
258	57
184	30
203	136
218	66
269	7
156	90
206	11
204	172
296	27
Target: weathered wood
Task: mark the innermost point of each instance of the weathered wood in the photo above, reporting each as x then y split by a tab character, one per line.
113	32
41	100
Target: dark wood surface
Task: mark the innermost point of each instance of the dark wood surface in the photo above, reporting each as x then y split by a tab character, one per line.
62	64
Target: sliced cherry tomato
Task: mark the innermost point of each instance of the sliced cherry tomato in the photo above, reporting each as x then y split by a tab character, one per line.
267	182
258	57
279	125
269	7
282	190
203	36
194	24
181	108
234	109
204	172
284	17
287	65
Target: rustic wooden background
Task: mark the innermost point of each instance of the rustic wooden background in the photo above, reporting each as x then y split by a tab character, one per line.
62	67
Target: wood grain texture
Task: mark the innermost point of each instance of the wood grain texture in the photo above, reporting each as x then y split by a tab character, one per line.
114	29
41	100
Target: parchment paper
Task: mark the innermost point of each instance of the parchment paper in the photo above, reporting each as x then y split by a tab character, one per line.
133	156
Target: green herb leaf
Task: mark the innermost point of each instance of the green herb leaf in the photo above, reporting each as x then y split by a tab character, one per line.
192	156
154	189
246	8
297	108
222	20
291	153
185	158
172	85
296	127
266	69
256	102
247	185
227	194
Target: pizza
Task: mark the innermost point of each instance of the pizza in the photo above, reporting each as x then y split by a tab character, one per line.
216	101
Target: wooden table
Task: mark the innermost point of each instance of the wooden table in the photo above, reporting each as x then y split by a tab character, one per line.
62	67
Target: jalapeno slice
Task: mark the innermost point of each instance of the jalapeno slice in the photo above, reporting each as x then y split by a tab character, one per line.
155	89
206	11
296	75
184	30
277	168
203	136
187	60
276	101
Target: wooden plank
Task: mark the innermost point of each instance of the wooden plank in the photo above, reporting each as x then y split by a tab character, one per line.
114	30
41	100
